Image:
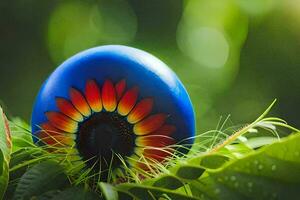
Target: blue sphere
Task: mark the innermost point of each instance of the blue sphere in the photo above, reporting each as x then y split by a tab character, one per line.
114	98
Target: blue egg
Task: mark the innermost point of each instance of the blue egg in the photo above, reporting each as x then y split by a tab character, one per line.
114	98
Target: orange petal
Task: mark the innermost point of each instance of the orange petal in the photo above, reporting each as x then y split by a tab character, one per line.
166	130
47	127
157	154
109	96
147	157
120	88
93	96
52	136
128	101
154	141
79	102
140	111
67	108
62	122
150	124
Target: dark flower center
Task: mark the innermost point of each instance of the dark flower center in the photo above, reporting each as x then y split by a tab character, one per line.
102	136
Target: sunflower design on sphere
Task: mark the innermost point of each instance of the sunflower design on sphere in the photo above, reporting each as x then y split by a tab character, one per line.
114	100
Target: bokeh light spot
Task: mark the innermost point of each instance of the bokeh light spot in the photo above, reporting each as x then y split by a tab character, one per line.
257	7
70	30
78	25
207	46
119	22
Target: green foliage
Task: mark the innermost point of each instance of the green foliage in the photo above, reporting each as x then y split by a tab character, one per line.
110	193
18	166
41	178
5	150
272	172
72	193
239	165
21	135
142	191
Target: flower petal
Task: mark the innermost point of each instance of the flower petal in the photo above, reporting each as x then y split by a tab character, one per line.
128	101
79	102
93	96
154	141
120	88
140	111
145	158
62	122
47	127
166	130
157	154
52	136
150	124
109	96
67	108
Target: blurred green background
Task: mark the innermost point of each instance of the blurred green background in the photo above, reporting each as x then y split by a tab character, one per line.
234	56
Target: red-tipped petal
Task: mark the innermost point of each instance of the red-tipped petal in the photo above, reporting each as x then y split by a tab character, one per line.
47	127
62	122
67	108
166	130
93	96
52	136
154	141
157	154
150	156
109	96
120	88
140	111
149	124
128	101
79	102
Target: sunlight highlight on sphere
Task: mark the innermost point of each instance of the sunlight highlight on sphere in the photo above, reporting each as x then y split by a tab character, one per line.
78	25
207	46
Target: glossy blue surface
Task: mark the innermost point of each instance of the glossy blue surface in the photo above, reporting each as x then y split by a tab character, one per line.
117	62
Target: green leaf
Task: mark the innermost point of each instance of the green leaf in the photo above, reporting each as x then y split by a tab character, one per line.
20	134
5	136
272	172
1	162
41	178
73	193
257	142
5	151
19	162
48	195
168	182
111	193
235	151
213	161
177	177
189	172
141	191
